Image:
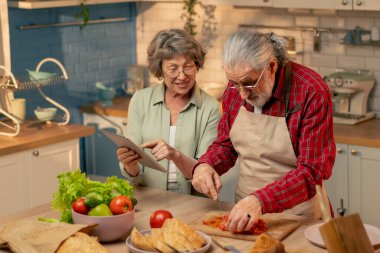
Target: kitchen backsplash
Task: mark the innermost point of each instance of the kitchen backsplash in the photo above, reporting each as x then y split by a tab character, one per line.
333	55
98	52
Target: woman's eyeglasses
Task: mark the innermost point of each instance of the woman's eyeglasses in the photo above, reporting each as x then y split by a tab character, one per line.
175	72
241	87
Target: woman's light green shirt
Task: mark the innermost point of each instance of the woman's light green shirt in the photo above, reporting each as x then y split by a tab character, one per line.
149	119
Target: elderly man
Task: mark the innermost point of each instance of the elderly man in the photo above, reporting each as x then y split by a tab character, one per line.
278	120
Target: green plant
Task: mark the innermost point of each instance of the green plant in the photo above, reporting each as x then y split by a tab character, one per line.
189	16
84	14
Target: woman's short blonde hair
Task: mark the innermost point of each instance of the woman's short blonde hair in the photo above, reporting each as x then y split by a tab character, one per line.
169	43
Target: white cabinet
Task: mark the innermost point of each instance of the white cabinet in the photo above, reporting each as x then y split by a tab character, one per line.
364	182
46	163
337	185
29	178
253	3
14	183
100	152
355	181
312	4
370	5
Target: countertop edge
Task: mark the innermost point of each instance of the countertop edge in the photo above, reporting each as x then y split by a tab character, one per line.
68	133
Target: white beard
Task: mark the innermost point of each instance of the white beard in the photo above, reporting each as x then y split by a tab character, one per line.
259	100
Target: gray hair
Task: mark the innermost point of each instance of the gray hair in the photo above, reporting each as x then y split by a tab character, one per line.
254	48
169	43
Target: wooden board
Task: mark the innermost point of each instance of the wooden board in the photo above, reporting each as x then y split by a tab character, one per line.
279	226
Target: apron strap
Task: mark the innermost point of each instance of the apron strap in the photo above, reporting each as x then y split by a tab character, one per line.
288	85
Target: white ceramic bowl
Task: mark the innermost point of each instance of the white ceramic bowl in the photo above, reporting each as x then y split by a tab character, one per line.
45	114
110	228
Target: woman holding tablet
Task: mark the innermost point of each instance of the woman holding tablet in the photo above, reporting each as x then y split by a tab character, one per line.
175	119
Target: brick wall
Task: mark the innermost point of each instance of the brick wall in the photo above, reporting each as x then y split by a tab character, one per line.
98	52
332	56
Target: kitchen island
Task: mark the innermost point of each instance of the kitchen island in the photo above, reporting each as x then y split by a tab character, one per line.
184	207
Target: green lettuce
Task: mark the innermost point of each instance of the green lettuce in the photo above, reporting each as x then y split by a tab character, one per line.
75	184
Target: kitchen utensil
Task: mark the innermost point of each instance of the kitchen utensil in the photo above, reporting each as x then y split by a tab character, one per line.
45	114
224	245
106	96
280	225
323	203
346	235
100	86
133	249
18	108
313	234
218	202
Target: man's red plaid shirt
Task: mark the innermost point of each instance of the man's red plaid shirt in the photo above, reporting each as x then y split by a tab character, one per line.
311	133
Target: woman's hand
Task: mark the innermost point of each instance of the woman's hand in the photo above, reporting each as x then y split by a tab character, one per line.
207	181
244	214
129	159
161	150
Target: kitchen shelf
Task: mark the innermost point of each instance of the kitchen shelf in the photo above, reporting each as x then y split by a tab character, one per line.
363	43
40	4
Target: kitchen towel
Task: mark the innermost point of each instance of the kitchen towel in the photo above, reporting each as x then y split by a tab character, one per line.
32	236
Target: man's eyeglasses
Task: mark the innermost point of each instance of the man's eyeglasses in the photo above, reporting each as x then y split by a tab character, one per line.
175	71
240	87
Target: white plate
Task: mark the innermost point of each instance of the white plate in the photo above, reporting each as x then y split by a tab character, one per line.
313	235
201	250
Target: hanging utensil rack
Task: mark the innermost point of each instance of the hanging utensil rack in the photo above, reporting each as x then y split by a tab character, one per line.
9	82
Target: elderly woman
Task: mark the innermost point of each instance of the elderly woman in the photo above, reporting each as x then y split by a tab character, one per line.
175	119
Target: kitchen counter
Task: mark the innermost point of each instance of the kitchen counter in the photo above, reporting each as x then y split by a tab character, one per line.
184	207
41	135
364	134
119	107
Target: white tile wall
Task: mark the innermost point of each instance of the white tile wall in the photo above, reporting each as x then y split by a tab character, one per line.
332	57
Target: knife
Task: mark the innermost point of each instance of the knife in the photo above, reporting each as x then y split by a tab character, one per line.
224	245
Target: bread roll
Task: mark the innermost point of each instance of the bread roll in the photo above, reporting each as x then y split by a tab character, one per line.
267	244
81	243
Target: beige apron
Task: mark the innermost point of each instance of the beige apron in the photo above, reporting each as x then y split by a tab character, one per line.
266	153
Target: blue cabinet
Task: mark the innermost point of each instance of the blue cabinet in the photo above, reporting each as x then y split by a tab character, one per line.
100	152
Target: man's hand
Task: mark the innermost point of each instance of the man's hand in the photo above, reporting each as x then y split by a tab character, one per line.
244	214
206	180
129	159
161	150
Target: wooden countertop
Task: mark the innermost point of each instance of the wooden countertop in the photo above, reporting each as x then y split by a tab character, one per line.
184	207
364	134
119	108
36	136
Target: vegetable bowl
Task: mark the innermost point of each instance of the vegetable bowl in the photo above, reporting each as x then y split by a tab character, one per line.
110	228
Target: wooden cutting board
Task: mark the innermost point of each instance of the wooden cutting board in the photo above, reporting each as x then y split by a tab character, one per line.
279	226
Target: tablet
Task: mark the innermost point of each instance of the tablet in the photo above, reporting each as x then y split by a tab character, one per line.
146	160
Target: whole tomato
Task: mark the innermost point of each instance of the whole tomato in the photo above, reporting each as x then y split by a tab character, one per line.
79	206
158	217
121	204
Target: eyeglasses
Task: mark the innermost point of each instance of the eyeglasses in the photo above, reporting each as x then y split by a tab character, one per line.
238	87
173	72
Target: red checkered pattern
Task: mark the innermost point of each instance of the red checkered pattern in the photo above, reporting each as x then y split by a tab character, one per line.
311	133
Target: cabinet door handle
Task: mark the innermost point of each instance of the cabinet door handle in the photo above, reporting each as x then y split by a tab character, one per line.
341	210
344	2
358	3
265	1
36	153
354	152
339	151
124	123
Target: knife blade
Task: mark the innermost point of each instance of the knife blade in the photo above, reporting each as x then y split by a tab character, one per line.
218	202
224	245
